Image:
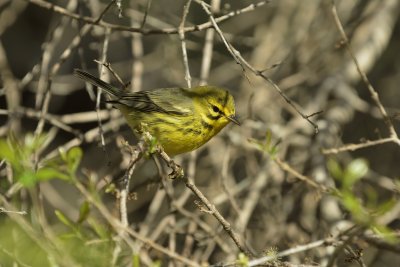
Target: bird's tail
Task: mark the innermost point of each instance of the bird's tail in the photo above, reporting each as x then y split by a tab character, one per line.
97	82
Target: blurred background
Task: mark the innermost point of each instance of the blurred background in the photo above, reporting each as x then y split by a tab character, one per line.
277	182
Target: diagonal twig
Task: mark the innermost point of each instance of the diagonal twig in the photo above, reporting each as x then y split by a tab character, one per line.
243	63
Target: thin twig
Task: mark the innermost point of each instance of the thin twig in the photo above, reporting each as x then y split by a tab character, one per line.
13	95
146	13
364	78
137	53
252	199
65	55
88	136
348	235
224	223
291	251
22	212
208	47
114	27
52	119
119	6
243	63
224	181
177	172
117	225
136	155
87	116
111	70
353	147
99	90
340	239
49	48
46	240
188	78
286	167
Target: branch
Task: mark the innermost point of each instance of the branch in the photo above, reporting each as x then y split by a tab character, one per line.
353	147
177	172
117	225
243	63
115	27
364	78
188	78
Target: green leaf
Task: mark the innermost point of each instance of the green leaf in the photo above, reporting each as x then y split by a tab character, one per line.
33	142
371	196
386	207
63	154
354	206
242	260
74	156
110	188
99	228
84	211
48	173
153	146
354	172
266	144
135	260
156	263
268	139
67	236
273	151
334	169
27	178
256	143
7	152
386	233
62	218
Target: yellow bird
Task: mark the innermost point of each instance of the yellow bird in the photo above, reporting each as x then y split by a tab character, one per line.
180	119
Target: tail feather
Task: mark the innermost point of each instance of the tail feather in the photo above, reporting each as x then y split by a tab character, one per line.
97	82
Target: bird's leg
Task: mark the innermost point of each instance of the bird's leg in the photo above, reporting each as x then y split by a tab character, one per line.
177	170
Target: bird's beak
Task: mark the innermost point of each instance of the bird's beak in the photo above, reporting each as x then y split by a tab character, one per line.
233	119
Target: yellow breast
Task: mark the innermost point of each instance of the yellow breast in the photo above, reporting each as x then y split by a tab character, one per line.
176	134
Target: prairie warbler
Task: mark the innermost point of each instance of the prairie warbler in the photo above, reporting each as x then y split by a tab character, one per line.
180	119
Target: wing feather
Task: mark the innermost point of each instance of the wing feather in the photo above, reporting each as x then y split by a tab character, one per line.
164	100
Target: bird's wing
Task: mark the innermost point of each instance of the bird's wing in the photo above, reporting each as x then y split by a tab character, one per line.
114	91
163	100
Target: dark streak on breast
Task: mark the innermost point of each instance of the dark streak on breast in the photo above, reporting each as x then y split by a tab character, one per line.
206	125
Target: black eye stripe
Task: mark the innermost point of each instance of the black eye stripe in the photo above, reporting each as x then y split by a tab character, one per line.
211	117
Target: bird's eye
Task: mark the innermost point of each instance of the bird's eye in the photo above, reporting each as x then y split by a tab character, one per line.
215	109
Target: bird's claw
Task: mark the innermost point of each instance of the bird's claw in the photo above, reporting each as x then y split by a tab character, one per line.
177	172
